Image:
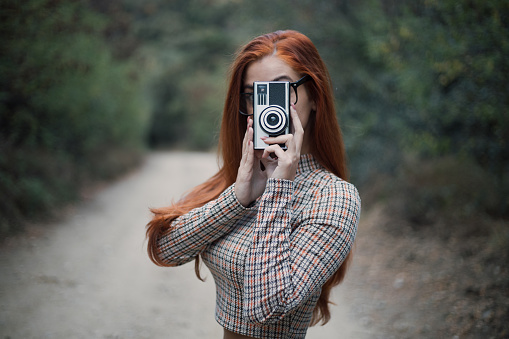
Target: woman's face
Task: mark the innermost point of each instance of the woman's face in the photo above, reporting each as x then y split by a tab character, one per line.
272	68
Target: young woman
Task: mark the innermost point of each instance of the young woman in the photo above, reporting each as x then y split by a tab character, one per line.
275	227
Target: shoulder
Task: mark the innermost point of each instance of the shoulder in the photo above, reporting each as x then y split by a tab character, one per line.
321	183
321	178
337	187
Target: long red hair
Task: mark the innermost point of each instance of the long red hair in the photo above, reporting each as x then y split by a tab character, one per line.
326	140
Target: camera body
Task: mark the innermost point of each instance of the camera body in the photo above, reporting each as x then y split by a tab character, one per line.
271	110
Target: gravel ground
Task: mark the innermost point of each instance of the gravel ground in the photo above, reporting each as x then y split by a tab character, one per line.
88	275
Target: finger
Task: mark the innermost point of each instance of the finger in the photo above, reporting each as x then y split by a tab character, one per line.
250	148
250	157
296	123
275	148
250	128
298	130
281	139
289	141
245	141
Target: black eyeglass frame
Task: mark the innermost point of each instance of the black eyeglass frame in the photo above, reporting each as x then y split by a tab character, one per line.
293	85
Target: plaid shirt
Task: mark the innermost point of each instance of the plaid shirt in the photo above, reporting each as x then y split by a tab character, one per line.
270	261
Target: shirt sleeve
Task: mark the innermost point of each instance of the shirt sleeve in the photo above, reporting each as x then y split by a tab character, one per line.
285	268
189	234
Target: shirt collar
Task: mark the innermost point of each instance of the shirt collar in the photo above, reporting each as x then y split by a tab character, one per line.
307	163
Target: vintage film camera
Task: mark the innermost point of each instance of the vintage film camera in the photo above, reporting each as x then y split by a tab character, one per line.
271	110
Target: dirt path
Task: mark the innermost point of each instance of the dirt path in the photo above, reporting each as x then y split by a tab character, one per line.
88	276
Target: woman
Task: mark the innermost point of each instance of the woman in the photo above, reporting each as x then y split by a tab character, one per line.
275	227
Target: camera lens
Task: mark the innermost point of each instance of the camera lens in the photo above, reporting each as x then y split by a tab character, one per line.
273	119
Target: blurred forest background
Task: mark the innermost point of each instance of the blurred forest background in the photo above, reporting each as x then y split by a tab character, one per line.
87	86
421	86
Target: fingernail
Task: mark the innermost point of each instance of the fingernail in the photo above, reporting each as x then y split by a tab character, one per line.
263	138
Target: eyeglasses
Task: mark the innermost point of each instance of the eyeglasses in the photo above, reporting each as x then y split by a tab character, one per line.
246	99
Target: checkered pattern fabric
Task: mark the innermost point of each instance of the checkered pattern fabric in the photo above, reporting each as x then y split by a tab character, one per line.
270	261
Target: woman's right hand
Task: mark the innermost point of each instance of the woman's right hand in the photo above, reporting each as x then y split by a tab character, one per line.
251	180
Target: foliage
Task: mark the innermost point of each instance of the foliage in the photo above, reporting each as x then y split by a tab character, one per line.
189	48
450	63
84	82
67	108
450	75
448	190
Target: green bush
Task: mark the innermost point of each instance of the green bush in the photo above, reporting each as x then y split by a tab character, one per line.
80	91
447	191
69	112
448	59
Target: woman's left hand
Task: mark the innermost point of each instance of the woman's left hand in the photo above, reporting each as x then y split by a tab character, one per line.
284	165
